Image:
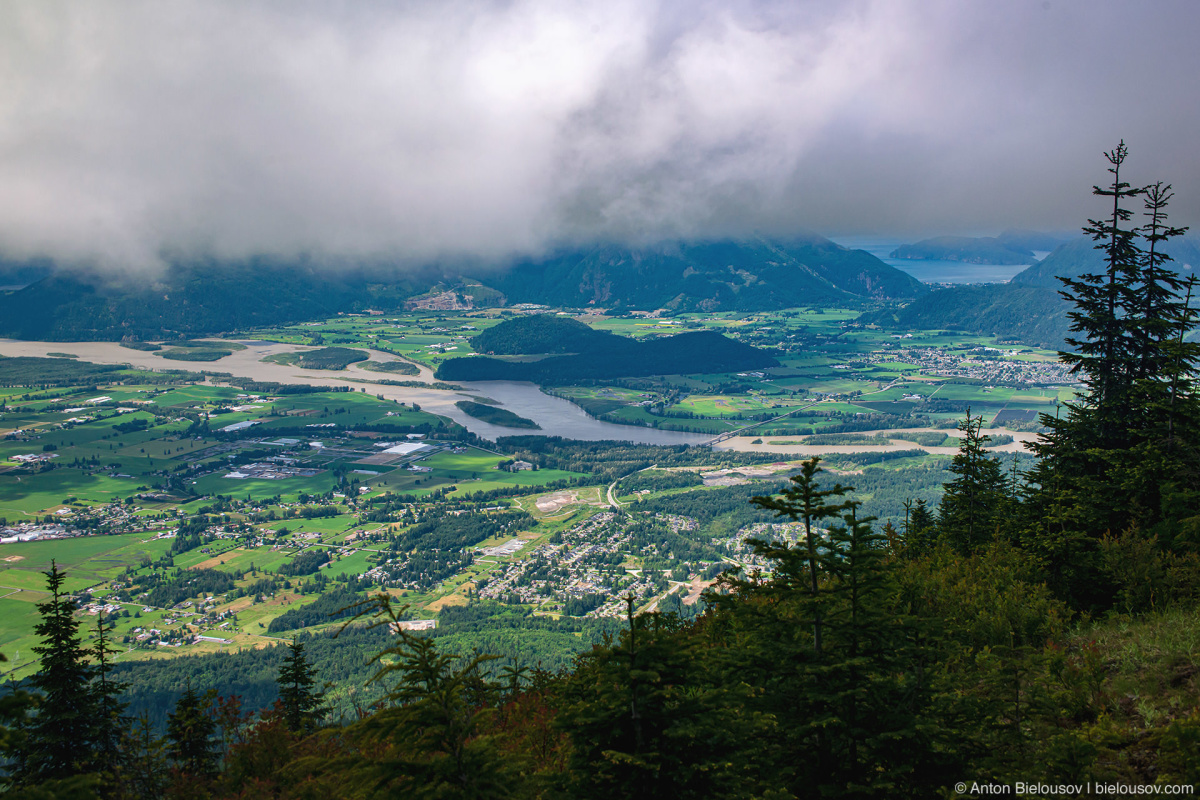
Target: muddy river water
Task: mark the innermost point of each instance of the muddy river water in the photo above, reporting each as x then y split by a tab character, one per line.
556	417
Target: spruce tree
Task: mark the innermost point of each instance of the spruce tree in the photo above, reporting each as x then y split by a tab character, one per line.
868	700
110	722
1126	455
1157	308
919	528
650	716
191	729
973	500
1105	353
302	704
803	500
62	737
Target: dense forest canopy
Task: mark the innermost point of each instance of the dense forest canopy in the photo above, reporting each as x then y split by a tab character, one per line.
611	356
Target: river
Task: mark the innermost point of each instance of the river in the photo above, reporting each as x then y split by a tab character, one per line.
557	417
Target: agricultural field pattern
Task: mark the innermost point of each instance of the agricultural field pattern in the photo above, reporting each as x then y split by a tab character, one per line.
233	504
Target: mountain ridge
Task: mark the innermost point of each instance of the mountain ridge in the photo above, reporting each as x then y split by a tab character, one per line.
207	297
1028	308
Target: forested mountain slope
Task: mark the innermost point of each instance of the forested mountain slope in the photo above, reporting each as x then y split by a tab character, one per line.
719	275
1027	309
1080	255
196	299
211	297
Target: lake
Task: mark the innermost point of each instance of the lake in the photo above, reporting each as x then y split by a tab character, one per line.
930	270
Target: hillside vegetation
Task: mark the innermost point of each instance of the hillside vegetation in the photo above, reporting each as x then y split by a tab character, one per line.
496	416
203	298
606	355
1027	309
755	274
539	333
195	300
334	358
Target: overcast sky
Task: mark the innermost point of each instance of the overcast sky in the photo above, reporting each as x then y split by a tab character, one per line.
131	132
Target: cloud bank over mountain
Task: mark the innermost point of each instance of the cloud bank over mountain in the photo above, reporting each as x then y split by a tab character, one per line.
132	132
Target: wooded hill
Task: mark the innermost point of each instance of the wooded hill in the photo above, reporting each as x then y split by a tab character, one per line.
597	355
197	299
1027	309
538	333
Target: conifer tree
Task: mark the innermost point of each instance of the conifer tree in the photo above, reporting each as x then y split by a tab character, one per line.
145	765
303	705
868	705
429	740
1124	457
1166	360
61	738
650	717
973	500
803	500
919	524
1158	308
1105	353
191	729
109	722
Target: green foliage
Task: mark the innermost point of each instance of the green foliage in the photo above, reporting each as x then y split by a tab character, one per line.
302	704
685	353
495	416
192	299
748	274
306	563
32	371
1030	314
191	732
194	353
439	530
647	718
931	439
431	739
396	367
61	739
1123	457
876	457
338	603
579	606
974	501
539	333
1080	257
327	357
803	501
609	460
189	583
110	721
660	480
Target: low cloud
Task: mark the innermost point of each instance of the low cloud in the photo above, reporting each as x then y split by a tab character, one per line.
133	132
